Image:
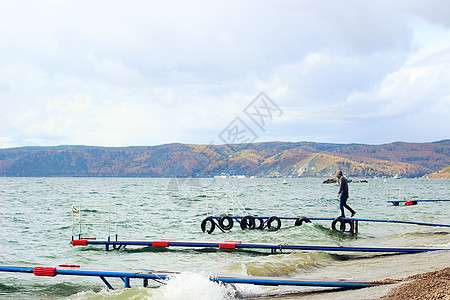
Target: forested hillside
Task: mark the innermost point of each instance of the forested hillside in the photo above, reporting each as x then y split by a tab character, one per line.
444	173
257	159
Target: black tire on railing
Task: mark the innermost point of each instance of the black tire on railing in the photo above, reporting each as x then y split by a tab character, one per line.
212	225
226	222
349	223
302	220
248	222
271	220
341	224
260	225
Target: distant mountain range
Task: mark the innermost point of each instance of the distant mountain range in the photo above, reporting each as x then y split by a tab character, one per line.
271	159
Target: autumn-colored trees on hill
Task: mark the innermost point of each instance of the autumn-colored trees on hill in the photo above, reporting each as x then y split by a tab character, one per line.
444	173
257	159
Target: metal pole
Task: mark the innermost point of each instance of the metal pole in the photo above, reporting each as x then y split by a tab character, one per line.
109	222
79	221
126	280
72	221
116	220
106	282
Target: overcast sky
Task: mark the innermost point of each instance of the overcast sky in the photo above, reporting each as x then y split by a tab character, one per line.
121	73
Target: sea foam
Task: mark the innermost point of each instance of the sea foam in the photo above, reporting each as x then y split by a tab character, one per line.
189	285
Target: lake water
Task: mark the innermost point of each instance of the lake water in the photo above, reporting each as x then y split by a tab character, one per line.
36	230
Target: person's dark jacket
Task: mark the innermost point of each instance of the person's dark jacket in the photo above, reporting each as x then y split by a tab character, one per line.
343	187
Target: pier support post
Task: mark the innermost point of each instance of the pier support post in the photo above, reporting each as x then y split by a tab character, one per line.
354	226
106	282
126	281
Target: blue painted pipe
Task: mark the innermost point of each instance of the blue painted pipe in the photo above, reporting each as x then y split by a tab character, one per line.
258	280
273	246
419	200
276	281
401	222
7	268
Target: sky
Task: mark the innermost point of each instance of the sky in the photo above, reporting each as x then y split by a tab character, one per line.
143	73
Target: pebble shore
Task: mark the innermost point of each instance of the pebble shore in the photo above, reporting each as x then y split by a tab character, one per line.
427	286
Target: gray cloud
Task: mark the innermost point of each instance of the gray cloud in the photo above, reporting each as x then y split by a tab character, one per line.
144	73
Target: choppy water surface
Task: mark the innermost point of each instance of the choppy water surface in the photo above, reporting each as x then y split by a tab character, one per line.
36	229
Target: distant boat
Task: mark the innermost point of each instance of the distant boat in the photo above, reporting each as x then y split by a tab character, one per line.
284	181
397	176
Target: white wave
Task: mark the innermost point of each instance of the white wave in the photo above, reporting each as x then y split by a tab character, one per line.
190	285
186	285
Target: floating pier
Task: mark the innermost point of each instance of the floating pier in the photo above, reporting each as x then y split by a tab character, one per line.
126	275
413	202
225	223
397	196
231	245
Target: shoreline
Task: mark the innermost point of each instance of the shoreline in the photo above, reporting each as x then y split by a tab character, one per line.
408	276
430	285
425	286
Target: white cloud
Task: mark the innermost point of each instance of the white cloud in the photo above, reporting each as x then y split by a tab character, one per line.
145	73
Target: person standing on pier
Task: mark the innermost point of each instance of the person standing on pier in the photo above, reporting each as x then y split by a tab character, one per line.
343	194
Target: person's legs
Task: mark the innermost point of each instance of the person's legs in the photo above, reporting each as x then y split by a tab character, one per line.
349	208
342	203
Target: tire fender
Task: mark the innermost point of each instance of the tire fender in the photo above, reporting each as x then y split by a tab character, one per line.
226	222
271	220
341	224
302	220
205	221
248	222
